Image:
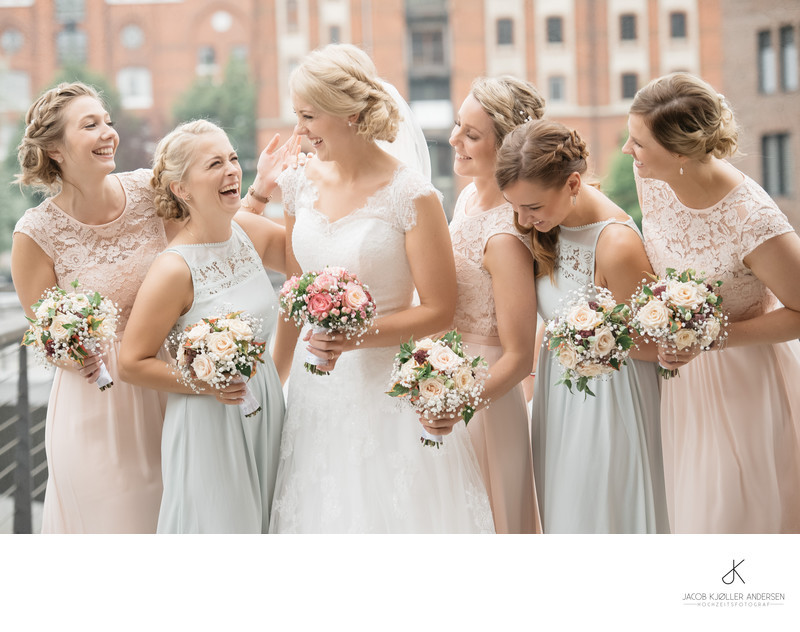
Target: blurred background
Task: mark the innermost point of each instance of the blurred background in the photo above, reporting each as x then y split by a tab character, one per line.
160	62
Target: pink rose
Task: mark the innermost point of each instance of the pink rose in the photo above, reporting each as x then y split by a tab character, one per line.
319	304
354	296
324	282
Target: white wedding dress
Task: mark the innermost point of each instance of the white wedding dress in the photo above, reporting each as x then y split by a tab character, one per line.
351	459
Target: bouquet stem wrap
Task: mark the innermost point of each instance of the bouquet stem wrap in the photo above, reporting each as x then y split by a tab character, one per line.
250	405
312	361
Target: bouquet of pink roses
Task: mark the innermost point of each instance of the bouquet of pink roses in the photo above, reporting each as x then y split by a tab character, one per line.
590	338
437	377
70	325
215	350
332	300
681	310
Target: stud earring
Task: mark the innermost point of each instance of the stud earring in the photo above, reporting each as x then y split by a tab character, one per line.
349	123
681	171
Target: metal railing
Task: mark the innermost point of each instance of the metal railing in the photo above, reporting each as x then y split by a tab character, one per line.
23	465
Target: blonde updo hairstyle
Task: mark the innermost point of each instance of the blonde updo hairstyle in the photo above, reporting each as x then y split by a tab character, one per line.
341	80
547	153
687	116
173	156
508	101
44	129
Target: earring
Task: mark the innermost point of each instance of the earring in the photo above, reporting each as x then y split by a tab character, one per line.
574	200
681	171
349	123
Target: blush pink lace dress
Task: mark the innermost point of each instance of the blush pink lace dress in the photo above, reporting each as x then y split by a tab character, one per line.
500	432
103	448
730	420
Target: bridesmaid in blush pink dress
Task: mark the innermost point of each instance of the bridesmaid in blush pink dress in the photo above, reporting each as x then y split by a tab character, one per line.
496	305
731	420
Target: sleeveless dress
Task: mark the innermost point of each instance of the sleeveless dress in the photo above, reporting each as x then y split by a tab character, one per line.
103	447
219	466
500	432
597	460
731	421
351	458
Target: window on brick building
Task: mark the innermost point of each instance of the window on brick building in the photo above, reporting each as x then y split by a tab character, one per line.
428	88
505	32
556	87
71	44
206	60
292	15
11	41
132	36
334	34
677	25
135	86
15	86
767	81
776	164
555	29
70	11
427	45
630	84
627	27
788	59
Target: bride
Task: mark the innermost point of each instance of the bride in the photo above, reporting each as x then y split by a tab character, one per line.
351	459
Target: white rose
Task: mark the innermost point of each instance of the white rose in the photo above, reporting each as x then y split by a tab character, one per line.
57	329
442	358
107	329
407	373
45	306
584	318
464	379
688	294
603	342
79	301
203	367
431	388
654	315
426	344
567	356
712	331
685	338
222	345
590	369
240	329
197	333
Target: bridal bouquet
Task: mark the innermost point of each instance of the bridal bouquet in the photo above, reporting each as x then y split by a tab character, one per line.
215	350
590	338
437	377
71	325
331	300
681	310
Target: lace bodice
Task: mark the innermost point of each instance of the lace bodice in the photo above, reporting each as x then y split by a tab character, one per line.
714	240
369	242
110	258
575	265
475	306
228	276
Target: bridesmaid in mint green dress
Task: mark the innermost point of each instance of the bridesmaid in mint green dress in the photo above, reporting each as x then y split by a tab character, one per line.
218	466
597	460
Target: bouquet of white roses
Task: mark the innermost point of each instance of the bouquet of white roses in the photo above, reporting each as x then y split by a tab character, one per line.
71	325
437	377
681	310
214	350
590	338
332	300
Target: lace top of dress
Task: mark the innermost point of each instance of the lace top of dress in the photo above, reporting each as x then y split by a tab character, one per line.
575	265
475	306
110	258
369	242
714	240
228	276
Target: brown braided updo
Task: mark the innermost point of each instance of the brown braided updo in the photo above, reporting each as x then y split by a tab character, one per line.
44	129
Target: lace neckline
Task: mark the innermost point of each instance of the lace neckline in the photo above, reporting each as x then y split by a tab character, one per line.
610	220
116	220
368	202
708	209
483	213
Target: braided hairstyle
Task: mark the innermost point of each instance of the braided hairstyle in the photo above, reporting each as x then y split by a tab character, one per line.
547	153
341	80
173	156
687	116
44	129
508	101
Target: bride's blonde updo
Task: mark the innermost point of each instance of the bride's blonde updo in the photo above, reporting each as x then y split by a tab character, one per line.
508	101
687	116
341	80
173	156
44	129
546	153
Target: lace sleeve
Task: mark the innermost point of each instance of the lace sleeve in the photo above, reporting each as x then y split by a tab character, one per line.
34	223
289	181
409	186
762	222
502	223
637	178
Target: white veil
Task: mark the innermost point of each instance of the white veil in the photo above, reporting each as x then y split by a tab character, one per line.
410	146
